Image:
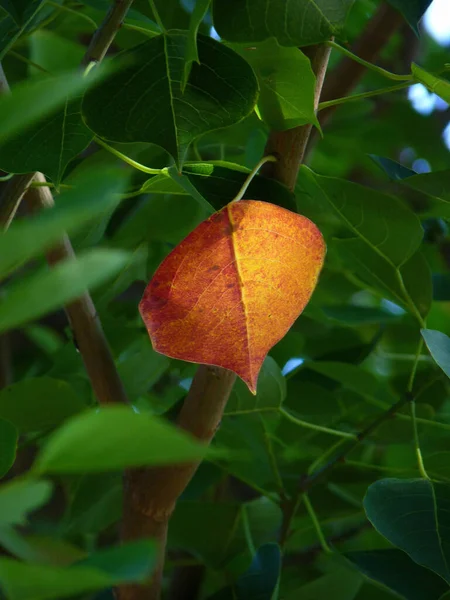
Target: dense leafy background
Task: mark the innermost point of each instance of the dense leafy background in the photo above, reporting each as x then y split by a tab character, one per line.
373	528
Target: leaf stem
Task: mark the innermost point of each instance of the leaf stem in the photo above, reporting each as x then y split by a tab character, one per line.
356	97
412	377
369	65
27	61
129	160
316	524
156	15
251	175
319	428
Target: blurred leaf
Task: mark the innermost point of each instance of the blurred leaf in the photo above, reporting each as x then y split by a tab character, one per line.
413	515
260	580
344	584
191	52
19	15
286	82
38	404
435	84
96	193
393	169
20	497
53	288
20	10
291	23
144	101
8	445
39	549
436	190
439	346
399	573
132	562
412	10
115	438
358	315
441	287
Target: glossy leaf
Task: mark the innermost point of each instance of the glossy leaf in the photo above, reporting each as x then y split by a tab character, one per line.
144	101
37	99
131	563
38	404
439	346
412	10
286	82
399	573
291	23
55	287
393	169
191	53
96	193
435	84
8	445
414	515
233	287
112	439
20	497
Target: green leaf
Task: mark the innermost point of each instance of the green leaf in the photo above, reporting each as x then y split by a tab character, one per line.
286	82
395	570
412	10
435	84
191	52
414	515
131	563
393	169
439	346
37	99
8	445
260	580
20	10
291	23
410	285
383	222
435	188
38	404
344	584
96	193
144	101
20	497
115	438
270	395
53	288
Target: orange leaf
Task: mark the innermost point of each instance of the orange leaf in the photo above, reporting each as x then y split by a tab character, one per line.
234	286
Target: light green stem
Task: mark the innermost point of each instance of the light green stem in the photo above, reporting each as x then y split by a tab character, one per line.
251	175
315	521
315	427
369	65
418	451
129	160
156	15
356	97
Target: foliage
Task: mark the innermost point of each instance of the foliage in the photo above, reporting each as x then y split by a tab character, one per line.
335	475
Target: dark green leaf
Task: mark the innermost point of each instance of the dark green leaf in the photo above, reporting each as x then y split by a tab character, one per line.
20	10
8	445
399	573
286	82
393	169
191	52
132	562
15	22
441	287
358	315
38	404
260	580
144	101
439	346
414	515
412	10
53	288
113	439
291	23
20	497
435	84
96	193
435	188
344	584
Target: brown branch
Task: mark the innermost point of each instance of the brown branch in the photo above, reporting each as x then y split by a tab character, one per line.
151	494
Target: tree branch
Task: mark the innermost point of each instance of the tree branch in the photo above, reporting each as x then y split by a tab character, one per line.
151	494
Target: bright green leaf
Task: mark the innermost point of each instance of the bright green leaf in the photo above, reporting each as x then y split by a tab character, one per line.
8	445
286	82
291	23
144	101
414	515
39	403
53	288
115	438
20	497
